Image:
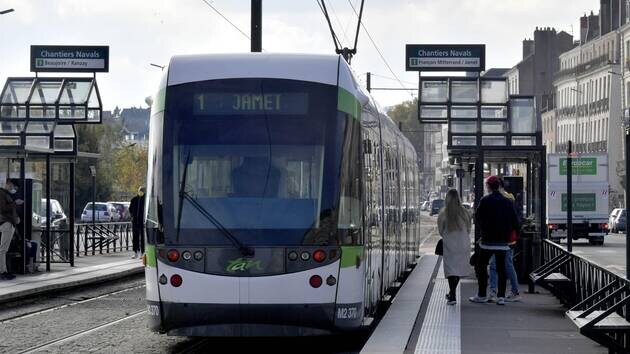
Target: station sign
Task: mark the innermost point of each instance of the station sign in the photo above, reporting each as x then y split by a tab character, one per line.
445	57
57	58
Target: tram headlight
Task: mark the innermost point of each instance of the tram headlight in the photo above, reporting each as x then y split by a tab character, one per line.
173	255
319	256
163	279
198	255
305	256
315	281
331	280
293	256
186	255
176	280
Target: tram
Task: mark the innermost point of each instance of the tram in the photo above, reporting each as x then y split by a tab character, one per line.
281	200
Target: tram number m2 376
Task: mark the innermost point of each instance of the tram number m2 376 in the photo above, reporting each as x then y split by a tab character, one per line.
347	313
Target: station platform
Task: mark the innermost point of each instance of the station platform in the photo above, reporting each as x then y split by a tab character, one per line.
419	321
86	270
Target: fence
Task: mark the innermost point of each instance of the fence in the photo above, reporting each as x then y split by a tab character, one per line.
89	239
598	299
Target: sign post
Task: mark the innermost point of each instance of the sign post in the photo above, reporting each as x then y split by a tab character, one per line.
569	198
61	58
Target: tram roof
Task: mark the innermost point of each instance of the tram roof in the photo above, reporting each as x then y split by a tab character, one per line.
319	68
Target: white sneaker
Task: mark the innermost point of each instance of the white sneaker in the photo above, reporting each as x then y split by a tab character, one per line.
478	299
135	255
492	297
513	297
501	301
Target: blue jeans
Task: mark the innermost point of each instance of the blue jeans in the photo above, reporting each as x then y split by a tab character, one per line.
510	272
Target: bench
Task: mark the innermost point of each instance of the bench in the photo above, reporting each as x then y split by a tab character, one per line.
598	316
549	277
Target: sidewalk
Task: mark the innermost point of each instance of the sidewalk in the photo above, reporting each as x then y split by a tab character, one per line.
87	270
536	324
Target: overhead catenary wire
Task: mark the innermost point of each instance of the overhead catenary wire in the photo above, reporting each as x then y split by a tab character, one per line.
377	48
344	30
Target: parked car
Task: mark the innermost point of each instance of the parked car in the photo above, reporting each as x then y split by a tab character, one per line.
436	205
425	206
619	222
57	216
123	210
103	212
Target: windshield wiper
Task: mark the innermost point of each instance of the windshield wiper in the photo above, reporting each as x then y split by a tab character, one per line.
245	250
183	195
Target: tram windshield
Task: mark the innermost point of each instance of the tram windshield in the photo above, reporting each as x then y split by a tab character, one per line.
265	158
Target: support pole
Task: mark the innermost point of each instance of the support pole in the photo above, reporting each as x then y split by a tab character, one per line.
71	224
256	30
569	199
478	188
627	143
48	213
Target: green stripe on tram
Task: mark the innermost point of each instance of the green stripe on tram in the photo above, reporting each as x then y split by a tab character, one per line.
346	102
151	256
349	255
160	96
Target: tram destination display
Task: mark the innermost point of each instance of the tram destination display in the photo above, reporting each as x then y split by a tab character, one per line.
240	103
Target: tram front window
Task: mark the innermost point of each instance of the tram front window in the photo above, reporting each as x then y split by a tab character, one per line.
265	157
253	187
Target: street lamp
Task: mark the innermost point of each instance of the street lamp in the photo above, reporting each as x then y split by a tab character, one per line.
4	12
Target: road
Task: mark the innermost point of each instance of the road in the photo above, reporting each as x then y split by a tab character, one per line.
612	255
111	318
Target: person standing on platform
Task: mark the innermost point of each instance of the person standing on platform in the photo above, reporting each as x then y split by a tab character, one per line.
8	220
514	295
454	227
136	209
496	218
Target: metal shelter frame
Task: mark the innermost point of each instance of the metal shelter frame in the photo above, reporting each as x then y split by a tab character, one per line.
488	126
37	123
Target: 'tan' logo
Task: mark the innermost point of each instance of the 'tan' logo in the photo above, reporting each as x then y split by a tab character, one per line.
242	265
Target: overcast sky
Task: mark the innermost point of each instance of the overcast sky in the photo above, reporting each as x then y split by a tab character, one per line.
140	32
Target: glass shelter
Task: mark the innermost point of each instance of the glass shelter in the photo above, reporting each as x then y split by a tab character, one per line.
37	130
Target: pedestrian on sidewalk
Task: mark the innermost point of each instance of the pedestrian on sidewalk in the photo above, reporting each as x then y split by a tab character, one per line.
454	227
496	218
136	209
514	294
8	219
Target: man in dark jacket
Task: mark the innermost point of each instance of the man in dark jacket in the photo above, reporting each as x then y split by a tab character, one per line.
8	220
136	209
496	218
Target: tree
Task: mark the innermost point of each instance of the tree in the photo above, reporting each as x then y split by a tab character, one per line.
102	139
130	164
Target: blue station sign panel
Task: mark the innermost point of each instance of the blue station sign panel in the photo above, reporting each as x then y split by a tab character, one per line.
445	57
58	58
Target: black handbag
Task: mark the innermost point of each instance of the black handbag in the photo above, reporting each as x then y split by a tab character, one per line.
439	248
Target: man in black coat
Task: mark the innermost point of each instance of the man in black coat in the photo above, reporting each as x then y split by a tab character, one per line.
496	218
136	209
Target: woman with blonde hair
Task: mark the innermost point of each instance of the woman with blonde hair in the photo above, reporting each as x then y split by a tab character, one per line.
454	227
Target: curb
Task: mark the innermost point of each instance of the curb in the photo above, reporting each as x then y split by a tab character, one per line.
51	288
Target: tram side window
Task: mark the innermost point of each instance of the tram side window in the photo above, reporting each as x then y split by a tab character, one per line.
350	209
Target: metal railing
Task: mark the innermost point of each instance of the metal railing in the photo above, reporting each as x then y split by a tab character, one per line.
102	237
599	300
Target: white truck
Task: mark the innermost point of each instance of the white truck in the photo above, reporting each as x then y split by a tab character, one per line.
590	197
